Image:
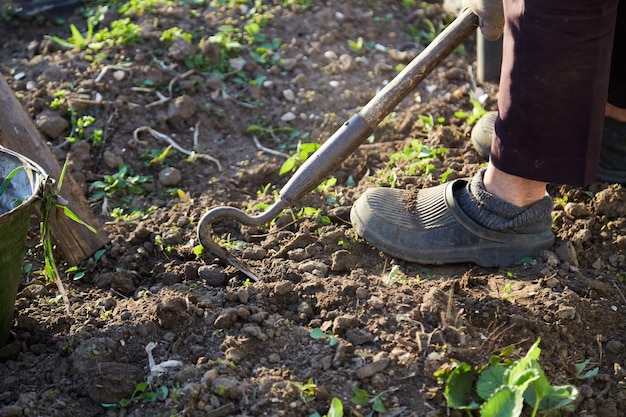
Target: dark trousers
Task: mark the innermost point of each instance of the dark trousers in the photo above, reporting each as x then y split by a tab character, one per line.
560	62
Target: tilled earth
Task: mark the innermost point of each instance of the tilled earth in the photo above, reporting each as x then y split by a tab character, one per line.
223	344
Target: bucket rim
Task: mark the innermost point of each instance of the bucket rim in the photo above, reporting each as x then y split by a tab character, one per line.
40	176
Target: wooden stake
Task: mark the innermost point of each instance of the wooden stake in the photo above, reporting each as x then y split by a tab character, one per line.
19	133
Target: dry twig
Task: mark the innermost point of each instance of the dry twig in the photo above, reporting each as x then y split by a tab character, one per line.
161	136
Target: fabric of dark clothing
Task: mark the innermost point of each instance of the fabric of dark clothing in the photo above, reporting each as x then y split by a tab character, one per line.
554	86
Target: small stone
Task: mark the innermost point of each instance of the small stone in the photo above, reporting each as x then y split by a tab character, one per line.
615	346
376	303
576	210
552	282
181	50
119	75
234	354
566	312
170	177
181	108
358	336
226	319
362	293
112	160
343	323
288	117
343	261
289	94
567	253
273	358
172	237
34	291
373	368
51	124
334	84
11	411
139	235
226	386
254	253
213	275
316	268
283	287
123	283
330	55
550	258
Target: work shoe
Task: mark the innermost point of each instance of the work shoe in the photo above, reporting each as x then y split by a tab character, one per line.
612	165
428	226
482	133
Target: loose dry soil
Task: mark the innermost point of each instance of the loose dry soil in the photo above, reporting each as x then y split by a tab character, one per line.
238	347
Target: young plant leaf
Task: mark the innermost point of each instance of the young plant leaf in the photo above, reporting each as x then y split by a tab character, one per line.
458	391
507	401
336	408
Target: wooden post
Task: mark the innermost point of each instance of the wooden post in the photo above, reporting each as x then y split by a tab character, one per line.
19	133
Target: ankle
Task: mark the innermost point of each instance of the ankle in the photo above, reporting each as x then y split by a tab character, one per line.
516	190
615	112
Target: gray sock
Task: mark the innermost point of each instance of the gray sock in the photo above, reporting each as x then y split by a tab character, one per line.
493	213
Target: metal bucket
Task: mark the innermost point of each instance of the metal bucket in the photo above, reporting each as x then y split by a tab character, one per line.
15	208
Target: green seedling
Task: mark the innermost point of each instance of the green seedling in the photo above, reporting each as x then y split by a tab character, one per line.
503	388
59	99
363	398
303	151
414	159
79	126
199	251
306	391
425	35
51	202
118	213
79	272
142	7
621	277
581	374
478	111
123	184
335	410
395	270
171	34
142	393
314	213
318	333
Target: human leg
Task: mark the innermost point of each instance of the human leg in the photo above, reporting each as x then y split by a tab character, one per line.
553	89
479	221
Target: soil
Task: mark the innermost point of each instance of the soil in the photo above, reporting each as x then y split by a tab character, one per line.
224	344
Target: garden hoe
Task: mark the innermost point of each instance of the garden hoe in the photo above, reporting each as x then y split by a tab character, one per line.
344	141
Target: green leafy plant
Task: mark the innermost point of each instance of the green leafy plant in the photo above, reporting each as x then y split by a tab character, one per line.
51	202
79	272
303	151
318	333
141	7
478	111
502	389
414	159
142	393
335	410
581	374
123	183
306	391
362	397
174	33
